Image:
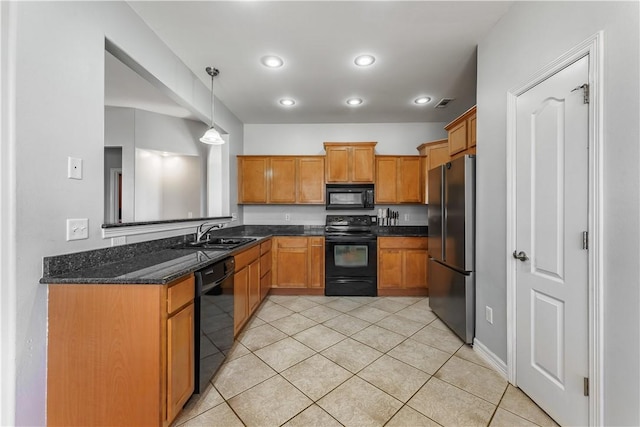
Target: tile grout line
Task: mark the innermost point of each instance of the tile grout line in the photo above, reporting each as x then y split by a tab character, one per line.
315	352
315	402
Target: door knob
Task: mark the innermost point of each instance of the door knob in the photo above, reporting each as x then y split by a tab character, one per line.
520	255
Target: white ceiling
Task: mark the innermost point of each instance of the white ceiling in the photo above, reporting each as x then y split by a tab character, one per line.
421	48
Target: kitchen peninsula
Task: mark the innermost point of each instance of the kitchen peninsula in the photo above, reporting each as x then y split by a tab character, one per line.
124	318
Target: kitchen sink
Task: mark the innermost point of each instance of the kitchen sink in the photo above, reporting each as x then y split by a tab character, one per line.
221	243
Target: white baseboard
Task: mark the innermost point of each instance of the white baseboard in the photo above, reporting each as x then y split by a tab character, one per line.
490	357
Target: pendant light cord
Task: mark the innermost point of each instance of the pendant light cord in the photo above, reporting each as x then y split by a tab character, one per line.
213	72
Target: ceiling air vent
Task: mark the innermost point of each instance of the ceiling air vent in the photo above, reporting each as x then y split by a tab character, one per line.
443	102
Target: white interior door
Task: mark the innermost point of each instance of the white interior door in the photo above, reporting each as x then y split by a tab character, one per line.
551	216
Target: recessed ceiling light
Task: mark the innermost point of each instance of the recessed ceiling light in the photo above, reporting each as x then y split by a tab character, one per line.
271	61
364	60
422	100
287	102
354	101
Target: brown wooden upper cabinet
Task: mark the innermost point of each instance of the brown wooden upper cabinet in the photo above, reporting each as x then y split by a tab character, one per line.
433	154
398	179
350	162
462	132
281	179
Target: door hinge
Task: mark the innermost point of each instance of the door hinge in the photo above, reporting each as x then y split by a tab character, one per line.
586	386
585	92
585	240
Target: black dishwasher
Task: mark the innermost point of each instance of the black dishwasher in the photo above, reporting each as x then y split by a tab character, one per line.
213	319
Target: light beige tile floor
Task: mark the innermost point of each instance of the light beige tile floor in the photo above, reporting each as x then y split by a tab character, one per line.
350	361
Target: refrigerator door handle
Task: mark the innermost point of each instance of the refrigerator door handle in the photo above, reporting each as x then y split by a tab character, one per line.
445	211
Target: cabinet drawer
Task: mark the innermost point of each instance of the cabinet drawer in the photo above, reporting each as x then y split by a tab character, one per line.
265	263
265	247
246	257
180	294
292	242
402	242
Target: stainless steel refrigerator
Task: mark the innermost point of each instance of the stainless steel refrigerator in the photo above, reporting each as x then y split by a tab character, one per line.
451	243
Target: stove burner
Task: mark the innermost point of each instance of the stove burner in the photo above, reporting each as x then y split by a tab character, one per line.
346	223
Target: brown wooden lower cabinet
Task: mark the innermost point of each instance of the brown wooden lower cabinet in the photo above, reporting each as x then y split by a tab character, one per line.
298	263
265	268
402	265
119	354
246	286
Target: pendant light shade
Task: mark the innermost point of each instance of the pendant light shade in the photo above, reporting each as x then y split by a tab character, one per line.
212	136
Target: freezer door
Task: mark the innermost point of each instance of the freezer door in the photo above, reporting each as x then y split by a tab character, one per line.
452	299
459	213
434	214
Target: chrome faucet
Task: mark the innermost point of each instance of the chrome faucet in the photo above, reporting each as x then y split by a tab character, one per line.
202	231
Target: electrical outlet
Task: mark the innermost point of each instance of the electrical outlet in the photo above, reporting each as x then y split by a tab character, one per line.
77	229
488	312
234	216
287	217
117	241
406	217
74	168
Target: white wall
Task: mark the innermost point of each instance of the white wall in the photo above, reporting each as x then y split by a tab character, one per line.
308	139
112	160
159	132
180	198
528	37
59	76
148	187
132	128
119	125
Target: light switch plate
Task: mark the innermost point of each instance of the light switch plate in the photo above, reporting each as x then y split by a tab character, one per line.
77	229
74	168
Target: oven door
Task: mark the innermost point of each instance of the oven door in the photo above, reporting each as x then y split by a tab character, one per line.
350	256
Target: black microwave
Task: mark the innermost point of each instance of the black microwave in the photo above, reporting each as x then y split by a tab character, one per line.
350	196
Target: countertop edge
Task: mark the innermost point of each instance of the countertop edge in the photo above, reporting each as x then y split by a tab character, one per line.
260	236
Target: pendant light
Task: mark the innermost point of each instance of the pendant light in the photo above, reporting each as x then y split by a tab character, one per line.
212	136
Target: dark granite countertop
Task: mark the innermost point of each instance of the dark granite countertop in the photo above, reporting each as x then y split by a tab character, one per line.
159	267
164	260
403	231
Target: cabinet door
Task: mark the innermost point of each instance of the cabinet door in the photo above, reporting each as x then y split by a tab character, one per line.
252	179
458	138
265	283
362	164
291	262
472	131
311	180
316	259
240	299
254	285
386	179
337	167
180	360
438	156
409	180
265	263
389	268
282	180
415	268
